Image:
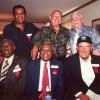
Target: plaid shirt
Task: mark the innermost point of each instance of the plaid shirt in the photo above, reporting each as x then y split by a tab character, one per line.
59	40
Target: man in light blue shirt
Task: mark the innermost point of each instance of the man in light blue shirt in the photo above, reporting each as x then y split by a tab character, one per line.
79	29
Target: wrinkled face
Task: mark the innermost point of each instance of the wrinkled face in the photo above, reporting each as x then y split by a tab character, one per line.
84	50
76	20
7	49
56	18
46	52
19	15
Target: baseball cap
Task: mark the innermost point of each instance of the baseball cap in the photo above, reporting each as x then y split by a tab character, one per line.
84	39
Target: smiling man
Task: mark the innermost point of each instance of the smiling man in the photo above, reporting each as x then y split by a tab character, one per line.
12	72
82	77
20	32
54	33
44	76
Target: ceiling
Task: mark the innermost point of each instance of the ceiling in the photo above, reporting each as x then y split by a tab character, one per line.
39	10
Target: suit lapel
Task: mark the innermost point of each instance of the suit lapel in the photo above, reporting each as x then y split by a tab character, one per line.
0	67
12	65
53	76
36	69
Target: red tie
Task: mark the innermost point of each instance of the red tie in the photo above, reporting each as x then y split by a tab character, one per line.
45	81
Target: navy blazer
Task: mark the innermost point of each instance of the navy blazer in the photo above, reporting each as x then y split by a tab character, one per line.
73	82
33	72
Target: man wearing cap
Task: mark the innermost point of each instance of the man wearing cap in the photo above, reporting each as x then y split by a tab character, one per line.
82	73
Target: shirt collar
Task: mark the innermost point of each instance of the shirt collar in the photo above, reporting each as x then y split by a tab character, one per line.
89	59
10	58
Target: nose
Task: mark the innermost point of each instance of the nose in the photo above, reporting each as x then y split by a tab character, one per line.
5	47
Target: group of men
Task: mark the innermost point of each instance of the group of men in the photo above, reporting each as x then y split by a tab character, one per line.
52	75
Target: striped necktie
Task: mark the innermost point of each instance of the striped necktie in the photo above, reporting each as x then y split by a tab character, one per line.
4	70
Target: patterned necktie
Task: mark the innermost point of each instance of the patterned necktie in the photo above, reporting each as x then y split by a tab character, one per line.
45	81
4	70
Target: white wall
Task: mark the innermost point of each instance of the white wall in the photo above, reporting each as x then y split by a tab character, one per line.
89	13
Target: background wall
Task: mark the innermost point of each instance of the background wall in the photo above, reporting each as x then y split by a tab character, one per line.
89	13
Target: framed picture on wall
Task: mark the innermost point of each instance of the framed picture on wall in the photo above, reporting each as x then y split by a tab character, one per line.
96	24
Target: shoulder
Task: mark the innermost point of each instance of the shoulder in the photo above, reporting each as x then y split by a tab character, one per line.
96	58
20	59
56	62
64	29
45	28
30	24
34	63
72	58
10	25
89	28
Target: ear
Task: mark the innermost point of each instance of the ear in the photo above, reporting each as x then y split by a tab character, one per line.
91	47
50	18
14	47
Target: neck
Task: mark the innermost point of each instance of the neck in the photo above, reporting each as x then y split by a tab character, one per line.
56	28
20	25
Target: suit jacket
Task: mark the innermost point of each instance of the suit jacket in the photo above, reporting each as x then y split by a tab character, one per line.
13	85
73	81
33	72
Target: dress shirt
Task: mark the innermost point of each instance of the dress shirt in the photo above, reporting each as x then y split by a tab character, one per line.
87	71
42	63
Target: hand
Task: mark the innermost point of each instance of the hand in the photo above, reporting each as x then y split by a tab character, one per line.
34	52
83	97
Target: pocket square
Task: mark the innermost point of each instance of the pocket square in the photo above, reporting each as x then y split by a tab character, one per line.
17	70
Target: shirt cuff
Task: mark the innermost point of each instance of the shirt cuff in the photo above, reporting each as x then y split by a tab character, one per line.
76	95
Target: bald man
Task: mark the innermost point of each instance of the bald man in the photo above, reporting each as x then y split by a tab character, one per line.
79	29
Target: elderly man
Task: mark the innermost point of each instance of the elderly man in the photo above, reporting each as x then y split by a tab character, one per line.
79	29
82	73
44	76
12	72
56	34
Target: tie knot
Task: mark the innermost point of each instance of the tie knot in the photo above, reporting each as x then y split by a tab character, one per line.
45	64
6	62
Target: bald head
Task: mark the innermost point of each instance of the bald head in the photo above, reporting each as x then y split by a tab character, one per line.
56	11
77	20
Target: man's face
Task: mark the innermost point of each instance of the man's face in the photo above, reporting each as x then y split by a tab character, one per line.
56	19
46	52
7	49
84	50
76	21
19	15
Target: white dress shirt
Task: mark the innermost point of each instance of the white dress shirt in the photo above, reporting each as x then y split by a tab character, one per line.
41	75
87	71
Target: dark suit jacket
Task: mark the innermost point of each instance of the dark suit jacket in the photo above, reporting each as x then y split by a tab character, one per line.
13	86
73	81
33	72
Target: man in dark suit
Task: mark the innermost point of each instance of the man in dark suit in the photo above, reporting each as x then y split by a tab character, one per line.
35	72
82	73
12	72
